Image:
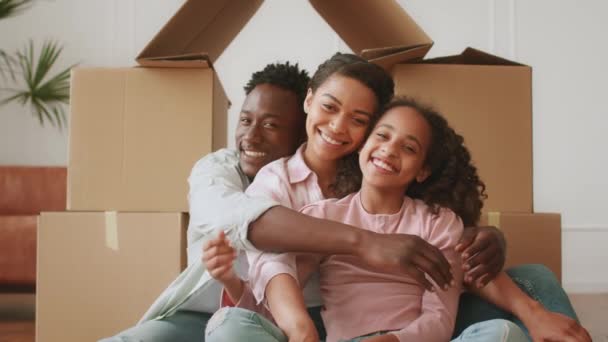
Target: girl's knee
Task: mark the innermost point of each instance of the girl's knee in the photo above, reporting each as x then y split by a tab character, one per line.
494	330
506	331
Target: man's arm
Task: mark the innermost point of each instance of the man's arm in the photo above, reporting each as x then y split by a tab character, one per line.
542	324
483	251
281	229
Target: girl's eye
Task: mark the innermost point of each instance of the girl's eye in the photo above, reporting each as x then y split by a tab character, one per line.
409	149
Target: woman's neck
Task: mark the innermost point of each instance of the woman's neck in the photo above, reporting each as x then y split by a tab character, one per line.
381	200
325	170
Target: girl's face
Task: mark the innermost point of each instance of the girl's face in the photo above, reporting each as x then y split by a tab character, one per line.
339	114
394	154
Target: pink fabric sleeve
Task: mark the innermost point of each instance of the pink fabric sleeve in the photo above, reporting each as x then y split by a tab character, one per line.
265	266
439	308
247	301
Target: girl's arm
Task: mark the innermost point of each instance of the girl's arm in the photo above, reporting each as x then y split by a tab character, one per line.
438	309
542	324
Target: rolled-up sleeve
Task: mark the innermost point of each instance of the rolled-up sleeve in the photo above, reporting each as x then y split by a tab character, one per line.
264	266
218	202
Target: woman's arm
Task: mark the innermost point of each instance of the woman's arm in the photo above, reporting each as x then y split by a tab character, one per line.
286	302
387	252
542	324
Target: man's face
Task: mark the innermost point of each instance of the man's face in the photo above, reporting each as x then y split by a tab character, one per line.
269	127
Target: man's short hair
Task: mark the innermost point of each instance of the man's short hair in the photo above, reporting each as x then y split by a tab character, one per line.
284	75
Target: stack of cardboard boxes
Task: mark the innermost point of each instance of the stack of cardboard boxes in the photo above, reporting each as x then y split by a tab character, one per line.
136	132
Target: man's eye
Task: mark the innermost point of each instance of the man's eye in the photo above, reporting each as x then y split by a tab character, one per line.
409	149
245	121
270	125
360	121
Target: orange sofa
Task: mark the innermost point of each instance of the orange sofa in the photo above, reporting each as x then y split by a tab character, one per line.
24	192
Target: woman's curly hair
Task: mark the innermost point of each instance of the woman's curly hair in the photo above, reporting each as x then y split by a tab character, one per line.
378	80
453	181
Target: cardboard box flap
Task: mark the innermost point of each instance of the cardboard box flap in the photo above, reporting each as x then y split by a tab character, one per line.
408	55
372	28
471	56
191	60
203	28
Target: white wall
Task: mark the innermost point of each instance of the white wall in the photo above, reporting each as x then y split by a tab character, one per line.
564	43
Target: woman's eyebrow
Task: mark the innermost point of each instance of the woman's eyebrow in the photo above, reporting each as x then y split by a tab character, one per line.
360	111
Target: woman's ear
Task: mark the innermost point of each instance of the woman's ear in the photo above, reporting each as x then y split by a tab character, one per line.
423	174
308	101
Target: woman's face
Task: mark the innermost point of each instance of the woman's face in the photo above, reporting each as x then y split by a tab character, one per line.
395	152
339	114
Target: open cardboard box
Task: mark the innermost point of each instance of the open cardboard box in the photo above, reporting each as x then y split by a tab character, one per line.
486	98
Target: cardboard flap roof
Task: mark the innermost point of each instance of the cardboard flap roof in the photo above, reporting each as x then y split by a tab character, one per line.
471	56
380	31
377	30
198	33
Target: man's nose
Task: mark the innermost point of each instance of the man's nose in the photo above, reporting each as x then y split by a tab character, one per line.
253	134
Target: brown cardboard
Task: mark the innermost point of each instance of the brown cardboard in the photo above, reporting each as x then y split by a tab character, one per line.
135	134
531	238
488	101
96	278
200	30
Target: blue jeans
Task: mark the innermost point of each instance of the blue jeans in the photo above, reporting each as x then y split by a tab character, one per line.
535	280
236	324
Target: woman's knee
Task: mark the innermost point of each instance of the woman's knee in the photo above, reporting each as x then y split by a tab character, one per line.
236	324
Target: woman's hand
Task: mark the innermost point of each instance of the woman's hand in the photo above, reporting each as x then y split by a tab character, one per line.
218	258
483	254
545	325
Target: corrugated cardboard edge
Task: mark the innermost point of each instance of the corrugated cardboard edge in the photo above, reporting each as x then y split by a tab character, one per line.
229	18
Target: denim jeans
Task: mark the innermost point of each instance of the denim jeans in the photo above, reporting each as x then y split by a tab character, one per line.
236	324
535	280
181	326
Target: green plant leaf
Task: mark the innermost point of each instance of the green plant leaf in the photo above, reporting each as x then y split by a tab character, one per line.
9	8
47	95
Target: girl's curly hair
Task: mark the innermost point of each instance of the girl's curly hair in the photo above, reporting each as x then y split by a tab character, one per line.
453	181
348	177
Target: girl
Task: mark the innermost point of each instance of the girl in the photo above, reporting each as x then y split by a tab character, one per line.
411	151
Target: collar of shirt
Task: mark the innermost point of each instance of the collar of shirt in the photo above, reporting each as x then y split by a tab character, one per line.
297	169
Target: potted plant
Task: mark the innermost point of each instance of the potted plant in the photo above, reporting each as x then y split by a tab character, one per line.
26	78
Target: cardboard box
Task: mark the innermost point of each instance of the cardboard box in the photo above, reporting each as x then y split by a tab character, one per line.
99	272
531	238
135	134
487	99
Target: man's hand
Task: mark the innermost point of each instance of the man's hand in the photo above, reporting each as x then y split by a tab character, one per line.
483	254
408	253
218	257
547	326
382	338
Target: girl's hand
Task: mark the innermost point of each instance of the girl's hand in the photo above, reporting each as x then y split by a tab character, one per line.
545	325
218	257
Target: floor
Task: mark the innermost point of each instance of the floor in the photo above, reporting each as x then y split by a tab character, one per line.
17	316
